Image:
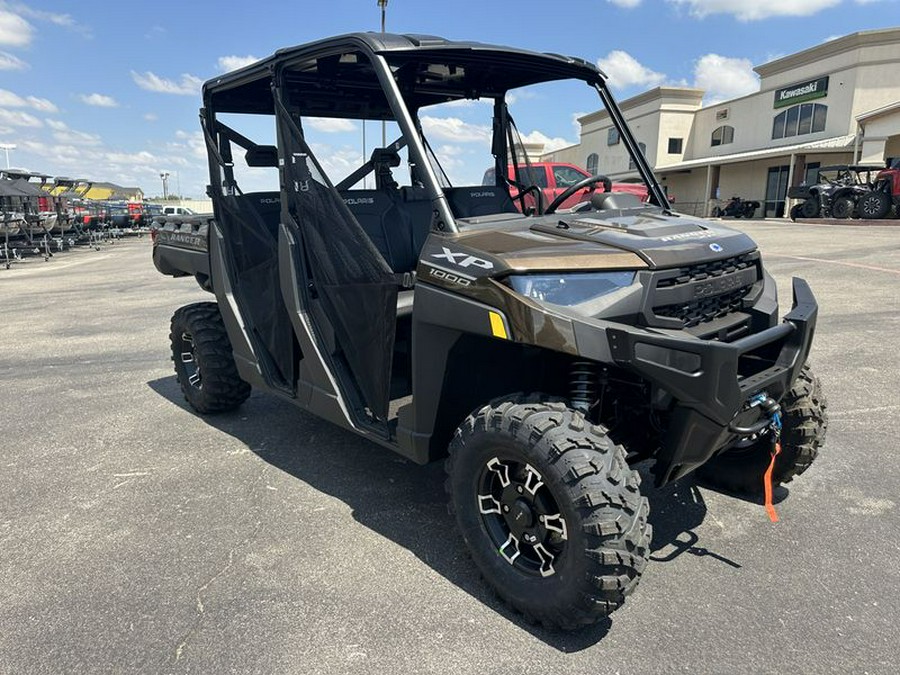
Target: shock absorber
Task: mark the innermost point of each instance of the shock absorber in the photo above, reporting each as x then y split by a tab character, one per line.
583	385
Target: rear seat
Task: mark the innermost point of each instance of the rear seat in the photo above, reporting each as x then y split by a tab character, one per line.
378	215
397	223
480	200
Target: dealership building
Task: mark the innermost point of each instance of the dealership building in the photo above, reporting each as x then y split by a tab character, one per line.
836	103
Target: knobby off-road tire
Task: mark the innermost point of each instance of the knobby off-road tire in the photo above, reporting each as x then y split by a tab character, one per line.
524	470
874	205
843	208
203	360
810	208
804	422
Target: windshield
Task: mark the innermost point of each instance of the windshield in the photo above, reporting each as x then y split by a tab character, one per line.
466	119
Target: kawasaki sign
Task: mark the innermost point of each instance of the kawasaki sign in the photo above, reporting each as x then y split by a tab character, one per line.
798	93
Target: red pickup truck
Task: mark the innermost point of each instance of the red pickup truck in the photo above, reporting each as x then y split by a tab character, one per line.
889	179
554	177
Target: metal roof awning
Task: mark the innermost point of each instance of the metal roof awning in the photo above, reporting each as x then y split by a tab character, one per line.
837	143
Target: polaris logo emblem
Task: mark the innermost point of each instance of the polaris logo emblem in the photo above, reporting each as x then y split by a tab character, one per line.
716	248
485	193
353	201
463	259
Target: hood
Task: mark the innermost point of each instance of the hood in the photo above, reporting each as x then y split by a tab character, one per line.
659	239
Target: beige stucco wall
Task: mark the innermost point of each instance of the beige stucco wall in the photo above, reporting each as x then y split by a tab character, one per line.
863	76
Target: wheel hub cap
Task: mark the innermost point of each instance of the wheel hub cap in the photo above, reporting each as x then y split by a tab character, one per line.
521	516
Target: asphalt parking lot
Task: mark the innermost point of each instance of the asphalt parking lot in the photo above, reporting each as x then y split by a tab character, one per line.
136	536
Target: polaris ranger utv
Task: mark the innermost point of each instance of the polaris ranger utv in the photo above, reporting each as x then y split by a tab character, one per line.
544	351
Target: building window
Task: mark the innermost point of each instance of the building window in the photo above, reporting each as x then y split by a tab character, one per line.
675	146
643	148
807	118
592	163
612	136
722	136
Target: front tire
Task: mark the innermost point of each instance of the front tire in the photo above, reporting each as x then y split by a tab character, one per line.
874	205
204	363
549	509
804	422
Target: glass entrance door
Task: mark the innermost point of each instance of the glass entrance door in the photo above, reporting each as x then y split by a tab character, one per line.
776	191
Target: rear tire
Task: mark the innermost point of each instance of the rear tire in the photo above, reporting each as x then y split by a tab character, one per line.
204	363
522	470
804	422
842	208
810	208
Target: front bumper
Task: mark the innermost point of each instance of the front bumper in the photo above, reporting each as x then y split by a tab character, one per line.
711	381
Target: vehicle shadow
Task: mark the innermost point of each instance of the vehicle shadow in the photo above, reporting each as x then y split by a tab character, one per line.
406	503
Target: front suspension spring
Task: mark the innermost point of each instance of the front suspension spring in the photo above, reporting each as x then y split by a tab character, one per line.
583	385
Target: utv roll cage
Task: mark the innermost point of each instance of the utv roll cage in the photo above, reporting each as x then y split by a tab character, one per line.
359	271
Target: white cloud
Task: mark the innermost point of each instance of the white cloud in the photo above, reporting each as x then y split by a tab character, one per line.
14	118
625	71
42	104
191	143
550	144
627	4
469	102
9	99
99	100
142	158
455	130
754	10
72	137
14	30
188	85
329	125
723	77
64	20
63	134
10	62
233	62
151	117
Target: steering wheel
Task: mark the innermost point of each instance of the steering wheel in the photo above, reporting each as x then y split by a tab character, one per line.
580	185
524	190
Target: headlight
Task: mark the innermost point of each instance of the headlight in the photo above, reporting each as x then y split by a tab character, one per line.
569	289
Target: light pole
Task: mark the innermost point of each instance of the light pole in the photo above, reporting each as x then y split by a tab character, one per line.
8	147
383	5
164	175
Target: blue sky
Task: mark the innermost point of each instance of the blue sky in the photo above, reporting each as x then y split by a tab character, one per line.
110	90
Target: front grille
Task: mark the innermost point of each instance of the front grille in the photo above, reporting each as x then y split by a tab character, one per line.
702	293
700	311
709	270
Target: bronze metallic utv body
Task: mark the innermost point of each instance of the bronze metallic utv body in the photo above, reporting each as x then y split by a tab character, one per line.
542	349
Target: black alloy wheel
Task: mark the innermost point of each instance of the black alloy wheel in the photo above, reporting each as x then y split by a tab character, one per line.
874	205
549	509
521	516
204	362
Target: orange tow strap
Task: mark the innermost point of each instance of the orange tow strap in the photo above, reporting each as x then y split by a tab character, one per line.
767	484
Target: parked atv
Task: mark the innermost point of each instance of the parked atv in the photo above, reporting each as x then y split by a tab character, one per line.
542	354
736	208
842	191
